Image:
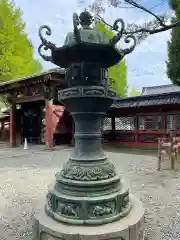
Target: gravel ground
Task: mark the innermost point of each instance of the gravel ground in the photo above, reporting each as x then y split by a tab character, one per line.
25	175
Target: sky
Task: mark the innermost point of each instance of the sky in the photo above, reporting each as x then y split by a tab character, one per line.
145	66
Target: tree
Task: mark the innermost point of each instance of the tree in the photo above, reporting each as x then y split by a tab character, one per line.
173	63
16	50
156	25
117	73
134	92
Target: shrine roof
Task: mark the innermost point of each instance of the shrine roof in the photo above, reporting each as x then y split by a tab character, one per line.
148	100
169	88
32	79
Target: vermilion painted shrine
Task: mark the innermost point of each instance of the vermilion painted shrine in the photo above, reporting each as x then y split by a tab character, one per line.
36	114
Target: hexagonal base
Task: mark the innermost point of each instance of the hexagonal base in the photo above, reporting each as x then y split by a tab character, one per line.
130	227
91	209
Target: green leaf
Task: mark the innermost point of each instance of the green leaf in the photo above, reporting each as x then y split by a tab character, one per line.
16	51
173	63
134	92
117	73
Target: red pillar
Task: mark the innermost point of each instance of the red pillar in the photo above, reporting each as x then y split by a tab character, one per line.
174	123
49	125
164	125
3	131
13	125
113	124
113	129
136	119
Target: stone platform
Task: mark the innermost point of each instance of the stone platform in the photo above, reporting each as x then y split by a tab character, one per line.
130	227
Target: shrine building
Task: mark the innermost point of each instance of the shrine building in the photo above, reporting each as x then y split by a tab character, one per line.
33	113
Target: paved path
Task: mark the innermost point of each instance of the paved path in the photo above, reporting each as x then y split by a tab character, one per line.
25	175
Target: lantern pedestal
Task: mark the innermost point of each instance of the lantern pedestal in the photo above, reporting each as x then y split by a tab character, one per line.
88	189
88	199
130	227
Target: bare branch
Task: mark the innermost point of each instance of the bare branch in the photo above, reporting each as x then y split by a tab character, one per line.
167	27
136	30
158	24
155	30
132	3
143	31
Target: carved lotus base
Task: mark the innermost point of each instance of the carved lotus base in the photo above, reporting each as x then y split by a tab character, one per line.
131	227
94	171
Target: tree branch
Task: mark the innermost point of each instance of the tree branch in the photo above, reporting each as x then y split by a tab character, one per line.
167	27
136	5
141	32
157	25
155	30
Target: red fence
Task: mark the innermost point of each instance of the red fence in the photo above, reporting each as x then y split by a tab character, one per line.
140	129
